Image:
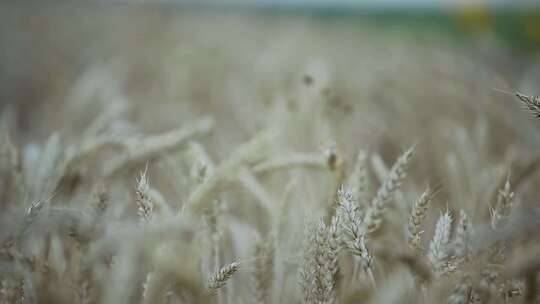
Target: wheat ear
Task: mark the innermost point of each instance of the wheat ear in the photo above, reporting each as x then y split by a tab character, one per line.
351	229
374	213
501	211
416	217
219	278
358	182
319	266
438	253
264	270
461	237
145	205
532	103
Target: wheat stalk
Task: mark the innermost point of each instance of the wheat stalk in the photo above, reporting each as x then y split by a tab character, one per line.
438	247
500	215
532	103
351	229
100	199
263	274
219	278
374	213
462	292
206	191
319	265
145	205
290	161
358	181
416	217
138	150
503	207
461	237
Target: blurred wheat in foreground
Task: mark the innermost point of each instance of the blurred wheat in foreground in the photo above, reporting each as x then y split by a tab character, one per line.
292	170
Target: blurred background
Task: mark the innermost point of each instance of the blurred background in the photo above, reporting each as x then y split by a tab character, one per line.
173	52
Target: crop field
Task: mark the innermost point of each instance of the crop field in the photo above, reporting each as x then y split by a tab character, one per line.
159	154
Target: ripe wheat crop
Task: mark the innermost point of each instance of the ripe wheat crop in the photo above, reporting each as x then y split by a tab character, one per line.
212	158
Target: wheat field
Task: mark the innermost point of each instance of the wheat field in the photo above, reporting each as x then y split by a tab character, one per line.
157	155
